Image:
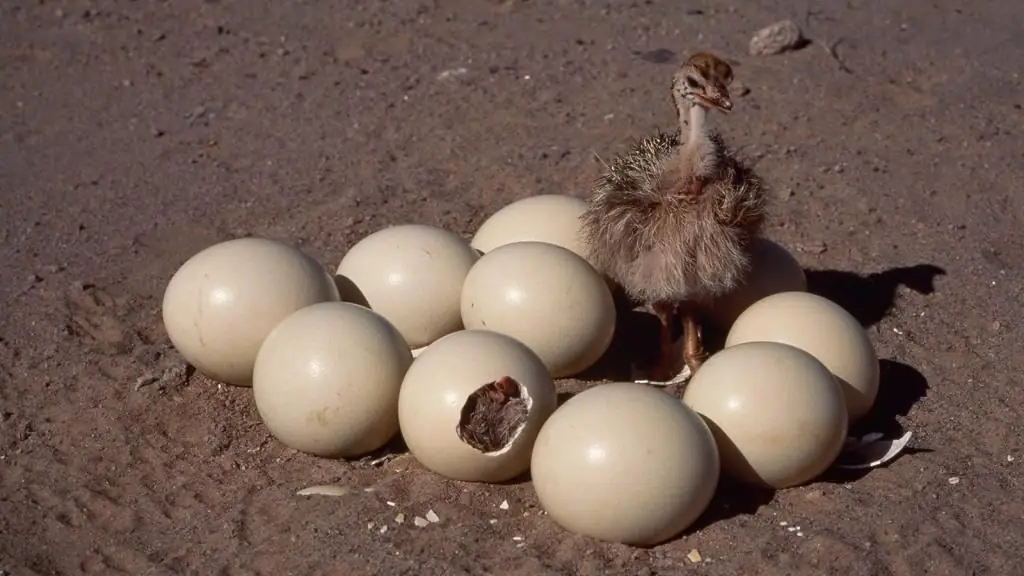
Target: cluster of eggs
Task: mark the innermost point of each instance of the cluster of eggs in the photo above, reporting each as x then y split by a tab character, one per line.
456	345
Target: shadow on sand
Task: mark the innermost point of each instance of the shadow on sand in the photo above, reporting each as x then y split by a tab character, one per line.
870	297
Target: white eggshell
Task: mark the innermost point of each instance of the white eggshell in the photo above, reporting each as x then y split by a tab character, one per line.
777	414
220	305
626	463
327	378
552	218
545	296
825	330
438	386
412	275
773	269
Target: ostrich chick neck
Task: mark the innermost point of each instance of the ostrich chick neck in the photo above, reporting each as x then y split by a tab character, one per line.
696	160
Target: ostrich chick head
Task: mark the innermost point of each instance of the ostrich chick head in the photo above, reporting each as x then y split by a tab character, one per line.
703	81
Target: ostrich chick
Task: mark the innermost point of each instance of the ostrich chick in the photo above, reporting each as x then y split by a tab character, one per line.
671	222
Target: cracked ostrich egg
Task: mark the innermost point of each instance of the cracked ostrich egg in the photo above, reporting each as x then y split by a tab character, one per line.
552	218
471	405
624	462
825	330
776	412
773	269
545	296
220	305
412	275
327	378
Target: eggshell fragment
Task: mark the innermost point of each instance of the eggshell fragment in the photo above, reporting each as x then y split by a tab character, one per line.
871	451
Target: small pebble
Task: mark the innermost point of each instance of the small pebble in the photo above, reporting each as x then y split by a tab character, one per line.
420	522
813	247
399	518
432	517
517	538
503	505
1009	458
954	480
657	56
694	556
775	39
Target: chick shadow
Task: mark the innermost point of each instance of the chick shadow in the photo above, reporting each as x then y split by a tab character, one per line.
870	297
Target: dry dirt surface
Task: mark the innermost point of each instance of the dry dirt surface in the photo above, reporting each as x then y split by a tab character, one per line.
135	133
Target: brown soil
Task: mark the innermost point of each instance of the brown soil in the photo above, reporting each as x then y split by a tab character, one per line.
133	134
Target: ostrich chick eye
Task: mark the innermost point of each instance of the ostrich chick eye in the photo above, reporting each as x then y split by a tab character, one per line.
692	82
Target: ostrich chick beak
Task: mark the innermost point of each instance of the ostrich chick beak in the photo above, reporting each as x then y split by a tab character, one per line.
718	100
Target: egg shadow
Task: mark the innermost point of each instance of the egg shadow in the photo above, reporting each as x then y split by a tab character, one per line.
900	388
349	292
635	342
394	447
732	499
564	397
870	297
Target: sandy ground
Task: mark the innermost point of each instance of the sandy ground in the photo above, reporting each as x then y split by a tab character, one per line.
133	134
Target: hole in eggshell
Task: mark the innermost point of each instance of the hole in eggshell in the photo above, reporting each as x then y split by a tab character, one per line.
494	415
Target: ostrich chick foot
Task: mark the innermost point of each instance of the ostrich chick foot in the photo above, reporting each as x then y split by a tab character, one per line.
694	354
663	373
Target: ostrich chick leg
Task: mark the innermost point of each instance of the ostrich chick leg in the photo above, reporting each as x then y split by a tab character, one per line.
693	349
662	370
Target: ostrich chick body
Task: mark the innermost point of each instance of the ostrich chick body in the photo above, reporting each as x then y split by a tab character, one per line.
671	222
